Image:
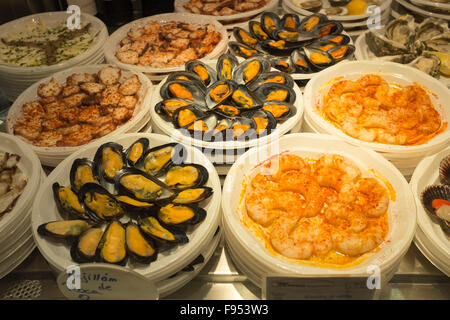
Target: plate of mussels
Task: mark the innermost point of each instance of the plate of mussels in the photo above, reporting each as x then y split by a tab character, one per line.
227	103
298	46
142	201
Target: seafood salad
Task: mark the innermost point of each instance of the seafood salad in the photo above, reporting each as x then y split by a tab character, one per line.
321	210
169	44
374	110
44	46
87	106
223	7
12	181
129	204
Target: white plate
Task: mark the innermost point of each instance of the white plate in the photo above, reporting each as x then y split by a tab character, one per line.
168	262
401	212
112	44
141	109
363	52
401	74
424	245
423	12
14	260
438	5
178	5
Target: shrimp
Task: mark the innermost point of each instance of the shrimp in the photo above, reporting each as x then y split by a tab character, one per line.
346	215
264	182
372	197
371	80
391	97
286	162
354	243
353	129
334	171
344	86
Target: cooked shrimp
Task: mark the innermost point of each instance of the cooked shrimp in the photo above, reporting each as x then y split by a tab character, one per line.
390	96
346	215
353	129
264	182
286	162
334	171
353	243
344	86
371	80
372	197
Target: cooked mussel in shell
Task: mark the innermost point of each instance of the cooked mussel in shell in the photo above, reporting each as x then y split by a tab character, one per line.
310	23
257	31
112	246
341	52
63	229
187	76
219	91
250	69
244	37
82	172
281	63
319	59
278	109
67	202
241	50
160	232
175	214
270	22
139	248
193	195
158	159
244	99
167	107
336	38
271	77
278	47
100	205
84	249
327	28
300	62
186	175
264	120
133	206
243	128
290	22
275	92
228	109
183	89
206	74
136	151
109	159
225	66
186	115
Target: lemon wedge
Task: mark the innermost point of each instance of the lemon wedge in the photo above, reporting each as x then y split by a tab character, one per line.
356	7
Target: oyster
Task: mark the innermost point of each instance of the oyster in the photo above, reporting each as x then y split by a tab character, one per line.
112	246
63	229
160	232
193	195
99	204
440	43
67	202
206	74
138	247
158	159
382	46
186	175
429	28
445	61
109	159
427	63
444	170
175	214
225	66
136	151
401	30
82	172
311	5
83	250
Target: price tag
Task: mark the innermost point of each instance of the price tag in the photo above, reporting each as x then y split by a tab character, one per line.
300	287
101	281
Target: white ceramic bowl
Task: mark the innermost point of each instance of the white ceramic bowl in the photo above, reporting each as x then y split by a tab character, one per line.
113	42
401	212
52	155
168	262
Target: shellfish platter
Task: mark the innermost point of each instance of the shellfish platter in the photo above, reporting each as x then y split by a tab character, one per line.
157	198
424	45
298	46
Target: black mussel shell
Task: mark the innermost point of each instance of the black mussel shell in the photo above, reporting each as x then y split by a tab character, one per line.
318	59
278	47
341	52
156	160
193	195
257	31
223	130
250	69
157	230
178	215
270	22
84	249
242	50
116	160
136	151
272	77
323	45
327	28
219	91
81	172
309	24
300	62
225	66
264	120
139	247
167	107
186	175
186	75
282	63
141	186
444	170
337	38
290	21
279	110
227	108
112	247
293	38
67	202
245	37
275	91
63	229
201	129
183	89
242	129
133	206
100	205
206	74
186	115
244	99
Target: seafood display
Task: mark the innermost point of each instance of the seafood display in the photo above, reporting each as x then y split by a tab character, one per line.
12	181
436	198
293	45
234	101
168	44
129	204
44	46
374	110
86	107
223	7
424	46
322	209
336	7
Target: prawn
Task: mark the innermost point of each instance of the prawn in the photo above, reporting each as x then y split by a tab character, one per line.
334	171
287	162
352	243
353	129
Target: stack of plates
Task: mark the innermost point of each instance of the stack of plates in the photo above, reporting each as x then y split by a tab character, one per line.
234	20
16	240
156	74
51	156
250	253
167	271
422	9
430	238
354	25
225	153
14	80
405	158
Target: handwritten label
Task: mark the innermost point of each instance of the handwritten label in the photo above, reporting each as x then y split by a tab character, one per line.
105	282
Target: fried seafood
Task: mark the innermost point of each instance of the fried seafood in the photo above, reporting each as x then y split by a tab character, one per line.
170	44
315	209
371	109
223	7
86	107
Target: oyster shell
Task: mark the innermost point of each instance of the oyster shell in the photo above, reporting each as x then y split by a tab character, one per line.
401	30
427	63
382	46
429	28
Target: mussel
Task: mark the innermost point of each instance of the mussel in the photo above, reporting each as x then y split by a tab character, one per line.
167	107
309	24
270	22
327	28
186	175
84	249
250	69
112	246
158	159
183	89
341	52
225	66
219	91
133	206
175	214
160	232
100	205
222	129
139	248
336	38
436	201
67	202
272	77
243	129
201	128
275	92
63	229
227	109
318	59
281	63
257	31
187	76
244	37
279	110
300	62
278	47
81	172
109	159
206	74
186	115
444	170
244	99
242	50
136	151
290	21
264	120
193	195
293	37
